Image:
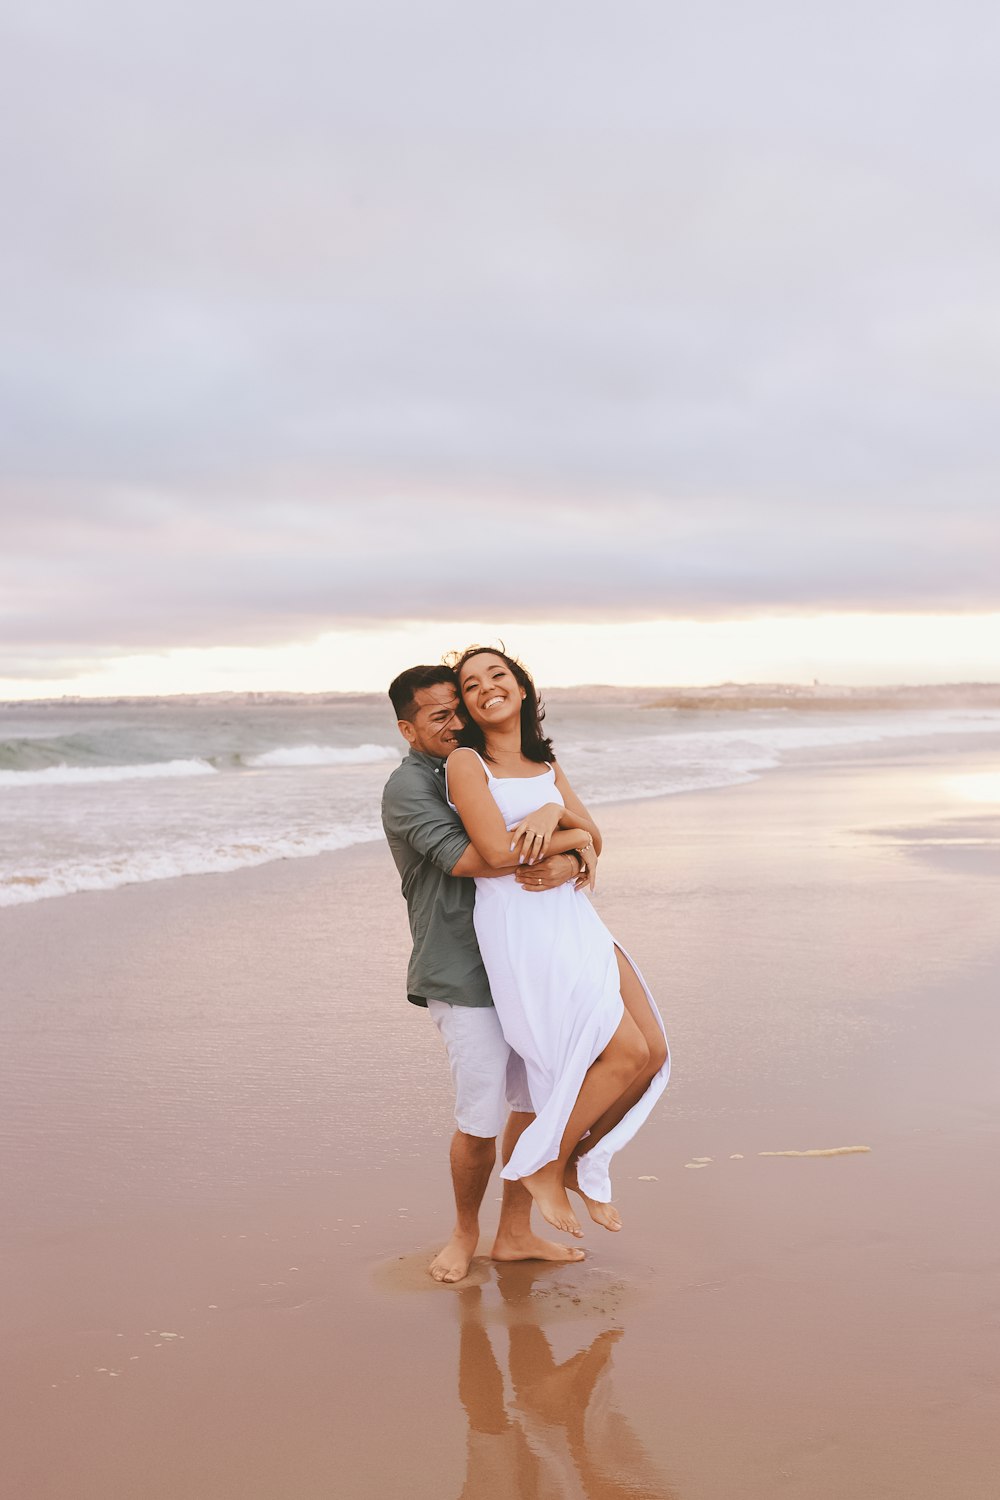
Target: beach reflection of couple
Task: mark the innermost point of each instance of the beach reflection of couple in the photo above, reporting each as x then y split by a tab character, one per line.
547	1022
552	1430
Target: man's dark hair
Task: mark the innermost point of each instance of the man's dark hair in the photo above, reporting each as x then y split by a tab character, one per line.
404	688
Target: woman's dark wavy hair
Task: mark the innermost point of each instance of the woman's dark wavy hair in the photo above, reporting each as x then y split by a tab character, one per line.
534	745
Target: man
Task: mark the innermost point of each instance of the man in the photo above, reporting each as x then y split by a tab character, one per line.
437	863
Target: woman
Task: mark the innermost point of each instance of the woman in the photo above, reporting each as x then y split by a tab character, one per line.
569	1000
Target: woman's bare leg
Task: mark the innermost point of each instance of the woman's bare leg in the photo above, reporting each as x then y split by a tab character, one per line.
607	1078
639	1008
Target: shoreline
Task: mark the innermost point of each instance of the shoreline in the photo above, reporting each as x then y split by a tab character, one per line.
971	749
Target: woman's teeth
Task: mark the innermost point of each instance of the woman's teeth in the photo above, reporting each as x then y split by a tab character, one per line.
492	702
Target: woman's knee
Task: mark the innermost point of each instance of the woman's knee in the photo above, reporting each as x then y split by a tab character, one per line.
657	1048
631	1049
641	1054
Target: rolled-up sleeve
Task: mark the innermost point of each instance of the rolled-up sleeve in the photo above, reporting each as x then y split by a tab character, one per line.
419	815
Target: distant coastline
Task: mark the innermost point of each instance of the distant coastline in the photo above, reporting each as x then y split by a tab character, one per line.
821	697
719	697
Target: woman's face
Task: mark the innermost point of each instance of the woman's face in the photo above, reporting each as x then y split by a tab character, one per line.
491	694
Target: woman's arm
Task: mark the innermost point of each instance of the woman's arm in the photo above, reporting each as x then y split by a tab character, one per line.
535	833
483	820
565	839
576	813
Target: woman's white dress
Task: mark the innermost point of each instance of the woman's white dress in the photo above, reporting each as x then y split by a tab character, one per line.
556	987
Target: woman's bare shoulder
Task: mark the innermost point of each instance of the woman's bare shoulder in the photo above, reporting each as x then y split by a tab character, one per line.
463	759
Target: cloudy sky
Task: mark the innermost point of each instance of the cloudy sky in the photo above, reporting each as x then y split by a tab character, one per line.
337	330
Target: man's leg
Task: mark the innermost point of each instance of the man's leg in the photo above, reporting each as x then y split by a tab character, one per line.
489	1079
515	1240
477	1056
472	1160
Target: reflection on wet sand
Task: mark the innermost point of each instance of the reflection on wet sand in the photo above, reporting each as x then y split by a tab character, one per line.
551	1430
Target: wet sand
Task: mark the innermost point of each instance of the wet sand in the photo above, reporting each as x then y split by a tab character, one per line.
224	1137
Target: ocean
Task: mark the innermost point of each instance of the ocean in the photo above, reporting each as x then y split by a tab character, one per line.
94	797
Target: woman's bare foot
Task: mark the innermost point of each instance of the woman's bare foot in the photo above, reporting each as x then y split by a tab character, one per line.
452	1263
547	1188
530	1247
563	1395
604	1214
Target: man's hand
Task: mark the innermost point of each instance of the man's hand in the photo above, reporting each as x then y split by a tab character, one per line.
546	874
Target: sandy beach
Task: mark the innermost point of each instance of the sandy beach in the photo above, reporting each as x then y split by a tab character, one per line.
224	1138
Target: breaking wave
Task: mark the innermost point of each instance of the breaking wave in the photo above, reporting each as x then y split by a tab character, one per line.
323	755
64	775
141	866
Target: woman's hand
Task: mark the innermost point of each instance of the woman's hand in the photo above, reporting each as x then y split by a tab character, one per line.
534	832
587	878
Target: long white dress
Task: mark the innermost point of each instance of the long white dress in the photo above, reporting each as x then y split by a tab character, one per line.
557	990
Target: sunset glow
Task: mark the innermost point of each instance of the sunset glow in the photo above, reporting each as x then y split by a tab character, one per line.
857	649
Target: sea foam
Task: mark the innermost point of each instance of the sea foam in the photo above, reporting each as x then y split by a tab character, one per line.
323	755
64	775
188	806
139	867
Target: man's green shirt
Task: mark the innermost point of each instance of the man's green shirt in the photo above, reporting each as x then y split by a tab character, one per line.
427	840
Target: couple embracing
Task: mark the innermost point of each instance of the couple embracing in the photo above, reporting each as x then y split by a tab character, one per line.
552	1036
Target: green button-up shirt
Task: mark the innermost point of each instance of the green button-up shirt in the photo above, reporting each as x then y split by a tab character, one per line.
427	840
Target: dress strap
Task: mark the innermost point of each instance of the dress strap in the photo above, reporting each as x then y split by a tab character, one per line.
485	767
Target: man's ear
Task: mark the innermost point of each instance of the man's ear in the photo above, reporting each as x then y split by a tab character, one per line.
407	730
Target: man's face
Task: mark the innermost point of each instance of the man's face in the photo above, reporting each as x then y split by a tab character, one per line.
435	722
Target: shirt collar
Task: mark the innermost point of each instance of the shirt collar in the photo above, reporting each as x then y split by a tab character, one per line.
436	762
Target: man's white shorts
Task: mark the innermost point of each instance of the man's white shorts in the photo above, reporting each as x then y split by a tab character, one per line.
489	1078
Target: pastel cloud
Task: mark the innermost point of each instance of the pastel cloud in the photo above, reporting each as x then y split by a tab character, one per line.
358	312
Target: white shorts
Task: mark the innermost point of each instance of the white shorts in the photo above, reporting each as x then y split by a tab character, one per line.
489	1078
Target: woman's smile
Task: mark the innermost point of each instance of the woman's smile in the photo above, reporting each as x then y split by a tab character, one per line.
483	690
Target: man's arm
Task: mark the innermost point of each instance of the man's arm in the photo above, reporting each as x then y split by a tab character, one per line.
418	815
472	865
543	875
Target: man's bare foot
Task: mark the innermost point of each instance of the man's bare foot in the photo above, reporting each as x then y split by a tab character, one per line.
604	1214
547	1188
452	1263
530	1247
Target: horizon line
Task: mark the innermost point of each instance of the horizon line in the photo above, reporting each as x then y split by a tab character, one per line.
797	686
